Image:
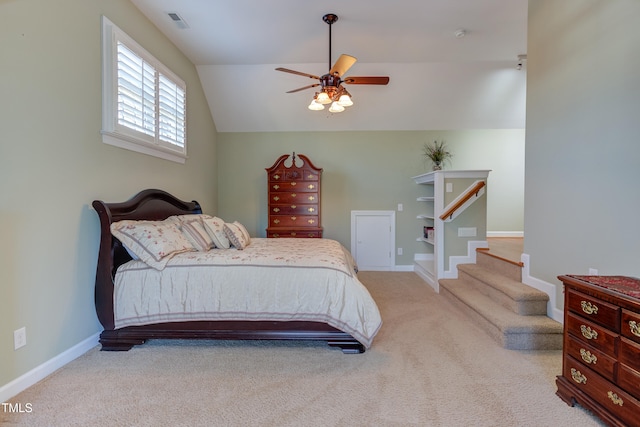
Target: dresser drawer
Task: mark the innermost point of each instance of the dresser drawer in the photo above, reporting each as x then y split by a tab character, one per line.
290	209
629	353
596	310
592	334
293	197
629	380
293	221
299	234
630	327
595	359
618	402
294	186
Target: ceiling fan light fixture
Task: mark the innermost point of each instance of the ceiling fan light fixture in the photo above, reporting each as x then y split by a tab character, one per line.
336	107
323	98
345	100
314	106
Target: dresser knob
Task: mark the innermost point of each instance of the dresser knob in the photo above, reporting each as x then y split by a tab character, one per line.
588	333
614	398
589	308
635	329
578	377
588	357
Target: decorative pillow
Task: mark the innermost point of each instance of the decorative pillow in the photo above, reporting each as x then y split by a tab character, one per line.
193	229
235	235
153	242
244	231
215	229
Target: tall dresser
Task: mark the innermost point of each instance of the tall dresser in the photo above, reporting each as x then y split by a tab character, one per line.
601	352
294	197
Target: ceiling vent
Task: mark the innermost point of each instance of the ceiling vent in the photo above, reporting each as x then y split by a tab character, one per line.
177	19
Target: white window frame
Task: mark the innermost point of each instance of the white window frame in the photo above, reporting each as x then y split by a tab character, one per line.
123	136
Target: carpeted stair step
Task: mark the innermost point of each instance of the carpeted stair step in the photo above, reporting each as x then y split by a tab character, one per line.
514	295
509	329
499	265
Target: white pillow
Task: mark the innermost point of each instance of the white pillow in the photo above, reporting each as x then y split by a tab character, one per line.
154	242
215	229
193	229
235	234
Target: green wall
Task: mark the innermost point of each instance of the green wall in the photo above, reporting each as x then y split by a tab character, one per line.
582	149
53	164
369	171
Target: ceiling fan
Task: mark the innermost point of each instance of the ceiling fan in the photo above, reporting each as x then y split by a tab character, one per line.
332	90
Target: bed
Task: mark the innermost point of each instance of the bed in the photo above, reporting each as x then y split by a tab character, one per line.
274	289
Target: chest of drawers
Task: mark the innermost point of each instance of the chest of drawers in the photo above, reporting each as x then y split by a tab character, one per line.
294	198
601	351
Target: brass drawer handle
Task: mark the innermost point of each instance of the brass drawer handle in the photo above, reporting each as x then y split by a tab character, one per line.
635	329
588	357
615	399
588	333
578	377
589	308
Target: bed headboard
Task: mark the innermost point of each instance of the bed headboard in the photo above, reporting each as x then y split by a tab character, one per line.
149	204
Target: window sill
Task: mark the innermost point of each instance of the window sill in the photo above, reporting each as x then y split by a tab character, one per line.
118	140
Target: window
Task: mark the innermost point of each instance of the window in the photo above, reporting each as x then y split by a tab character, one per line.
143	102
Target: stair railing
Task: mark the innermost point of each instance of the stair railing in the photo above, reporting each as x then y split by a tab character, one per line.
462	202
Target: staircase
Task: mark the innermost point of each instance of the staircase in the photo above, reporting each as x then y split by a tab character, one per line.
491	292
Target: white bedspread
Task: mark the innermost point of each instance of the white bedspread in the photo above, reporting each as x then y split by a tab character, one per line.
271	279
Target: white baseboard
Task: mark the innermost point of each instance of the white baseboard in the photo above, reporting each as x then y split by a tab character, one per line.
505	233
403	267
470	258
546	287
22	383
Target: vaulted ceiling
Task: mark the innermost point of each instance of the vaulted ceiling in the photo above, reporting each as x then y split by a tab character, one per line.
438	80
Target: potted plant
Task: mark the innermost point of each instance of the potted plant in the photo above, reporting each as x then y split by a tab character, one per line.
437	153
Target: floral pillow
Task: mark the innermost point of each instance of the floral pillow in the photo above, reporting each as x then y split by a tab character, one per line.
193	229
237	234
215	229
153	242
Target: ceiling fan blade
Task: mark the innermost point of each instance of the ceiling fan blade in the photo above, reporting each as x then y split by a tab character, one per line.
300	73
379	80
343	64
303	88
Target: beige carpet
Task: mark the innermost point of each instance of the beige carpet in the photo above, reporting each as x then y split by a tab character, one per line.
429	366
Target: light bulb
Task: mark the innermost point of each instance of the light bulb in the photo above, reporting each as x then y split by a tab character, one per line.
336	107
323	98
345	101
315	106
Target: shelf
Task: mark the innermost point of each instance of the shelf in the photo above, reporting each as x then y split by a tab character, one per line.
425	217
422	239
426	199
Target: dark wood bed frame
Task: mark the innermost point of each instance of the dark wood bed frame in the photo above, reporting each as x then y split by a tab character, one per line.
158	205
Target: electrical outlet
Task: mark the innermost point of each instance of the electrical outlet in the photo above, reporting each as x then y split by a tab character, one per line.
449	187
593	272
400	207
399	251
19	338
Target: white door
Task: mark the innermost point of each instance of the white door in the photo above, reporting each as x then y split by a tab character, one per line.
373	239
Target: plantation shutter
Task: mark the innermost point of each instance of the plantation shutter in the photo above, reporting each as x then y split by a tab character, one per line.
171	128
136	92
